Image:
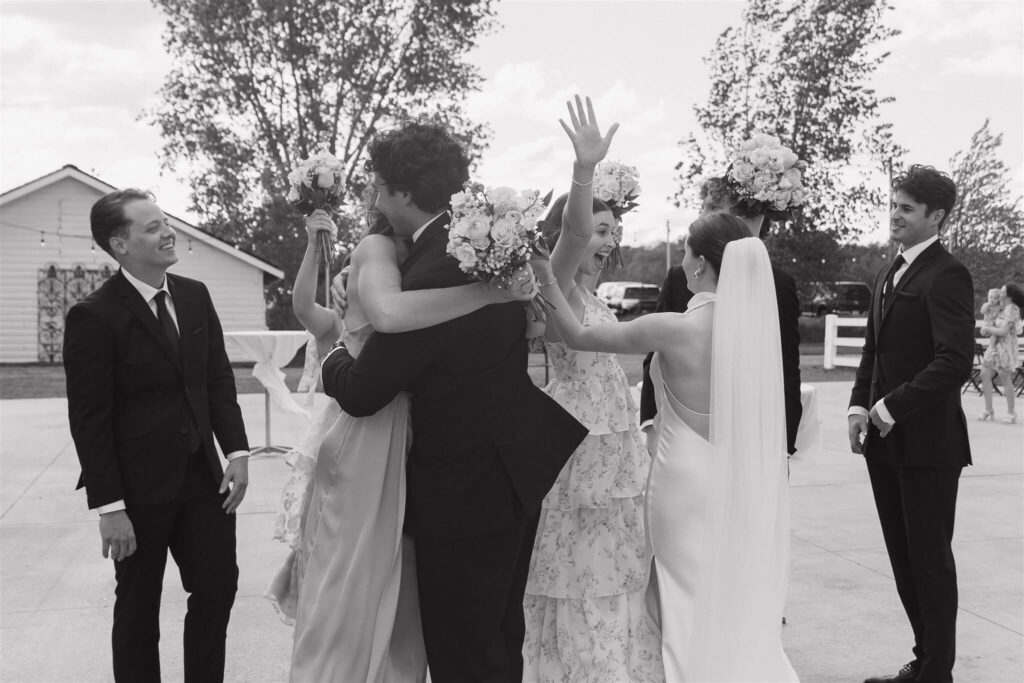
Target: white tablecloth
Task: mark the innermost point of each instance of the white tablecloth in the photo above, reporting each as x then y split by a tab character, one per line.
808	434
271	350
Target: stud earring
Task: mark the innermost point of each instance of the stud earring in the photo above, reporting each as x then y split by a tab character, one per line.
696	274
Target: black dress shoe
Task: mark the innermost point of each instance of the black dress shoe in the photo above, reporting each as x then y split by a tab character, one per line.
907	673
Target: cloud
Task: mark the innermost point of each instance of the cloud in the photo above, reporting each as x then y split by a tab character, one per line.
1000	60
47	63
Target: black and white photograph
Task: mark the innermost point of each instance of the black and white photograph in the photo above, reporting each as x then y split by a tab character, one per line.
540	341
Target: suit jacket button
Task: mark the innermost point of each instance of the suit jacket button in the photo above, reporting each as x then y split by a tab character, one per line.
184	429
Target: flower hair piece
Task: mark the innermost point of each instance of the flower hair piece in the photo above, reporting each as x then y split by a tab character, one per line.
767	177
618	186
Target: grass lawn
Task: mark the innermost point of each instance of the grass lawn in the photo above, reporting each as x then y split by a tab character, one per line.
47	381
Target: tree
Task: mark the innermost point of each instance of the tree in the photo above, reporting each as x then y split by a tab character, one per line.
985	230
259	84
800	71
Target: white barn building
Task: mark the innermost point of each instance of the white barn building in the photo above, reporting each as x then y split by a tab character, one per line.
48	262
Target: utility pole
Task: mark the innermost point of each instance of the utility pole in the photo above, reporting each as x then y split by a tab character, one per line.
668	248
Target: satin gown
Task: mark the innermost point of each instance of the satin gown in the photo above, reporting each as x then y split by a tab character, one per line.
357	615
696	646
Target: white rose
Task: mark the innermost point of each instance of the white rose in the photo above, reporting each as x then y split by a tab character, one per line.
532	213
793	176
325	179
503	233
742	171
477	227
514	215
460	226
606	189
459	200
466	256
764	140
527	199
782	200
503	198
759	157
789	158
762	181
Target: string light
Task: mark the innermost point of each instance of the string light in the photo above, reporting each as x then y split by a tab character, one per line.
190	245
92	247
42	238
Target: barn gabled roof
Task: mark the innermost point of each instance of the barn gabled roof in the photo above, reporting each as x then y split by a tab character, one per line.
71	171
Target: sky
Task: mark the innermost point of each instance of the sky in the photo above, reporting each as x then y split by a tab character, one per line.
75	75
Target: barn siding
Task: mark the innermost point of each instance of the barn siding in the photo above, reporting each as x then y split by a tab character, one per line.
235	286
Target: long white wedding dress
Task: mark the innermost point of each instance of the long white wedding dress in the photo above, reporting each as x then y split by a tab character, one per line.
718	495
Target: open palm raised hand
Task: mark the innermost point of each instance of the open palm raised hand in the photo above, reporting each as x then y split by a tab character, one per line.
590	146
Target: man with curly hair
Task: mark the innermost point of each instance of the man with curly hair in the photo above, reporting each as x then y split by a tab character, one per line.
487	443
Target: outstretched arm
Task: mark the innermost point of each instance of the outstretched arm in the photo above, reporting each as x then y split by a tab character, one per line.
648	333
389	309
578	221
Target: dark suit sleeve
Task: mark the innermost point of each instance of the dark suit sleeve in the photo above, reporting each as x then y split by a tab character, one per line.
387	365
89	369
225	414
789	329
861	394
951	316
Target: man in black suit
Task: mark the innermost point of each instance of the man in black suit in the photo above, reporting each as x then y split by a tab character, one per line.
149	385
717	197
487	443
905	414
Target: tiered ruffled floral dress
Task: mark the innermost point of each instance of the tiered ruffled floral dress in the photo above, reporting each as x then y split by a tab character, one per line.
586	617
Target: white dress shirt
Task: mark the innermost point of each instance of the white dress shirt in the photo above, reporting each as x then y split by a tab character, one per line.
149	293
416	235
909	256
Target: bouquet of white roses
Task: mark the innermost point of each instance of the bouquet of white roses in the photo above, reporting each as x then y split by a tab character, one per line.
317	183
493	233
617	185
764	172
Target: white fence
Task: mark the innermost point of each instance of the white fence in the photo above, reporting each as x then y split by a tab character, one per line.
833	341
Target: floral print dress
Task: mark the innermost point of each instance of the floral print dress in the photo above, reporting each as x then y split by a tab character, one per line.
586	617
1001	354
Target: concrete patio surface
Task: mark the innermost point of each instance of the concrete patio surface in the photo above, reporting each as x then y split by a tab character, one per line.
845	621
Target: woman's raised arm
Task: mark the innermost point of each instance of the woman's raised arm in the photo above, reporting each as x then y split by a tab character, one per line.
590	147
319	321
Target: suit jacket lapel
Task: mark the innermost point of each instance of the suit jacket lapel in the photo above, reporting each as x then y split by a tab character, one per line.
134	302
432	232
912	270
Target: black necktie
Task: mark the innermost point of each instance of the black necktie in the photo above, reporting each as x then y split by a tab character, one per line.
887	287
170	331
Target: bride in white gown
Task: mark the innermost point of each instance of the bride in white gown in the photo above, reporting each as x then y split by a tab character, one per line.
717	495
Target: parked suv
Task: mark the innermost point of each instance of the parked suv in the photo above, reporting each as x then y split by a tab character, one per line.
628	298
837	297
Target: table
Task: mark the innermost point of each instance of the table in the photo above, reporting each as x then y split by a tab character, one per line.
271	350
808	433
